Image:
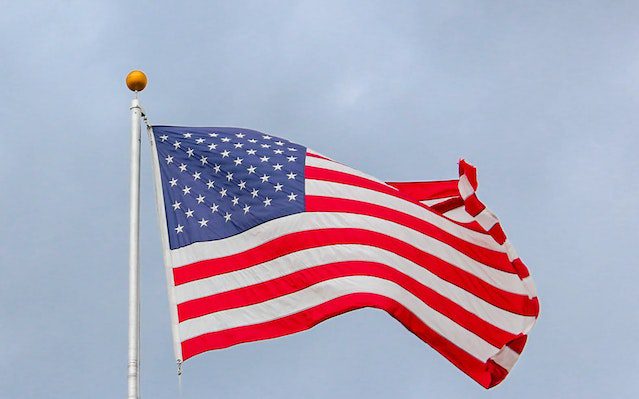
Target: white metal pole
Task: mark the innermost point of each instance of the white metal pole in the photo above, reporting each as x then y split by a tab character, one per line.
134	266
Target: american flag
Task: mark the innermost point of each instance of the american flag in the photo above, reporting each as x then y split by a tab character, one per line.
264	238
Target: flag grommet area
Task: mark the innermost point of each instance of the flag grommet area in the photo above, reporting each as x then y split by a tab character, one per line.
264	238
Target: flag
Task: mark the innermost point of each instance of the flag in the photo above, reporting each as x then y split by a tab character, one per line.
264	237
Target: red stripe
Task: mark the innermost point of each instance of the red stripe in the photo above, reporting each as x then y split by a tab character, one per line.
470	171
298	241
473	205
315	173
473	226
305	278
487	374
494	259
310	154
427	190
448	205
518	343
497	233
522	270
496	372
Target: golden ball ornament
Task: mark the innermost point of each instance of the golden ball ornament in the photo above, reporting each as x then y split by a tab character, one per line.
136	80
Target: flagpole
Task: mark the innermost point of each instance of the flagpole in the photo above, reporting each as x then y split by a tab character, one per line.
136	82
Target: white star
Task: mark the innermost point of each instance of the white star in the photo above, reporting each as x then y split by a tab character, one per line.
265	178
209	184
177	144
252	141
196	175
199	141
182	167
173	182
216	168
187	135
189	213
213	134
169	159
267	201
264	159
179	229
291	158
291	175
277	166
190	152
200	199
227	217
164	138
278	151
223	192
238	161
242	185
212	146
238	145
226	139
267	137
214	207
251	152
251	169
186	190
279	142
278	187
292	197
229	176
235	200
239	135
225	153
254	193
246	209
265	145
203	222
176	205
203	160
292	149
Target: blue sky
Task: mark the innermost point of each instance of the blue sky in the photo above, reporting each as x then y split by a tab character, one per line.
542	97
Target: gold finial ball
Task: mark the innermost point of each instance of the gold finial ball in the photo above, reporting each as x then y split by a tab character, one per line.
136	80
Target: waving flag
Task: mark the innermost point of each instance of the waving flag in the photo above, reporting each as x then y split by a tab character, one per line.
264	237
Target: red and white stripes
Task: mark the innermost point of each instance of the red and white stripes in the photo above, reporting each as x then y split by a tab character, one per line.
430	254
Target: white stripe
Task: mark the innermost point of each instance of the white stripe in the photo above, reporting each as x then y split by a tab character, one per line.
345	191
316	153
328	290
308	258
322	220
166	251
510	250
506	358
459	215
431	202
529	283
486	219
332	165
465	188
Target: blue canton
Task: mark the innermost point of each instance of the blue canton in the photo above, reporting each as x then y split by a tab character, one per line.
218	182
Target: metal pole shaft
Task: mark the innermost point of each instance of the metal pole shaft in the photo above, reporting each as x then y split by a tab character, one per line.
134	266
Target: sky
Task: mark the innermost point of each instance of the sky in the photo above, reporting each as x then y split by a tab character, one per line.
543	97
